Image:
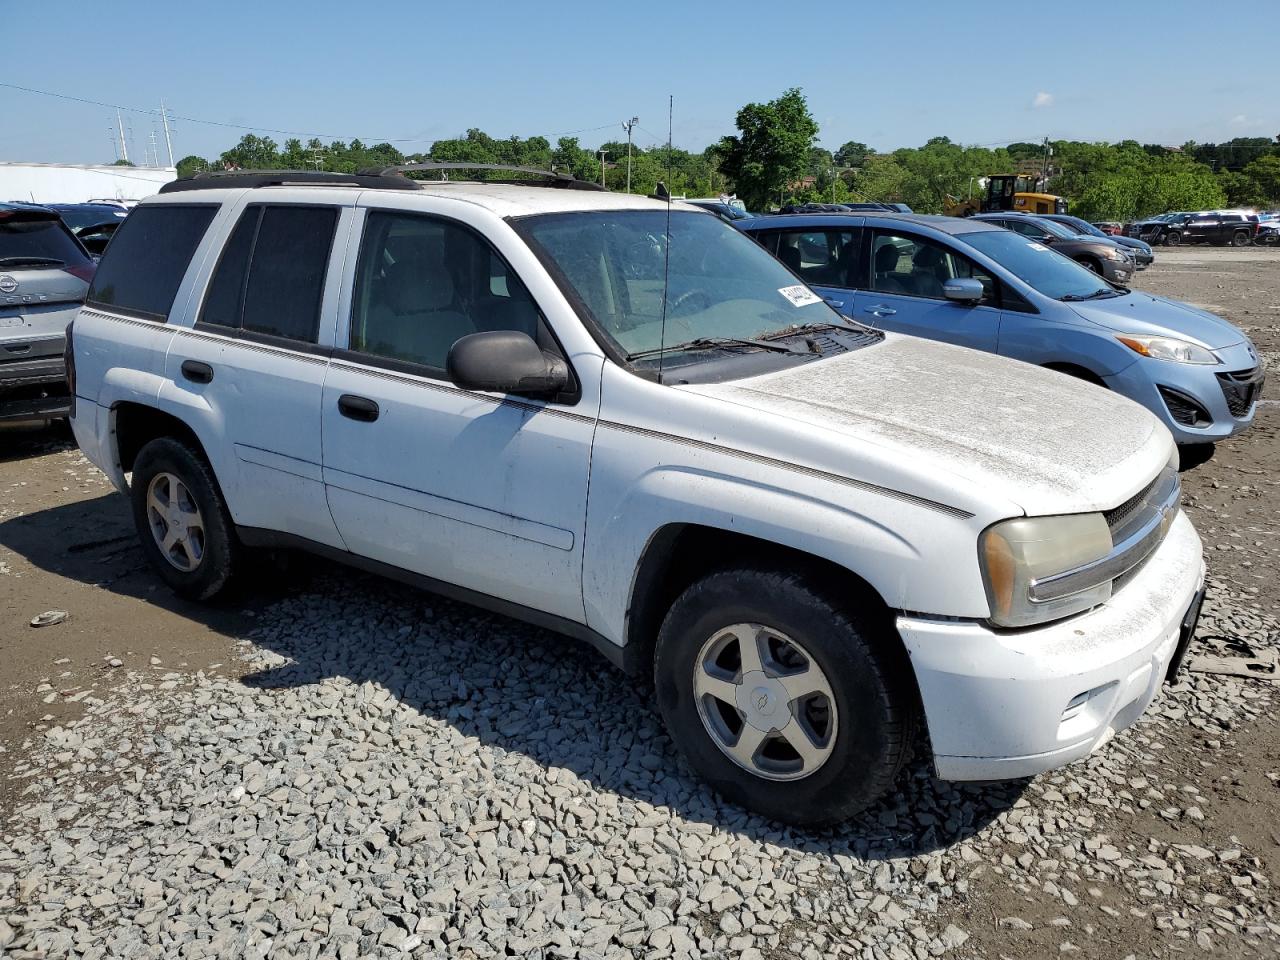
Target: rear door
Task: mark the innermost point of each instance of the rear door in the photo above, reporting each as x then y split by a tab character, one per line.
905	291
44	274
254	353
825	257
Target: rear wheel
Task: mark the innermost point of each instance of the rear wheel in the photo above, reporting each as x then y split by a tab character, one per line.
785	702
1173	239
182	520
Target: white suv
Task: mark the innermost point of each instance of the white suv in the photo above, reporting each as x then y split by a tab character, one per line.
625	421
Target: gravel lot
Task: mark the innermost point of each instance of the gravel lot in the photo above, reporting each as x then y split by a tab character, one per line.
330	764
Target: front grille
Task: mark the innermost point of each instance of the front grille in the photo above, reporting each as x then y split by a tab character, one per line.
1241	389
1184	410
1118	515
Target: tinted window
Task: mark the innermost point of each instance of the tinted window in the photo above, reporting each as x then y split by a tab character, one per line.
36	239
1050	272
222	302
823	257
287	271
422	284
915	267
148	256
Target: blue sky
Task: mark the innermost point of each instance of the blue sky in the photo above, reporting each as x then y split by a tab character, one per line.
889	75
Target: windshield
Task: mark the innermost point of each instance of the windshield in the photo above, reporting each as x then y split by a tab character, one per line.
37	239
89	215
720	283
1083	226
1042	268
1057	229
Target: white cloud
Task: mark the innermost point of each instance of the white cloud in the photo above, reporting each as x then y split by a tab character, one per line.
1042	99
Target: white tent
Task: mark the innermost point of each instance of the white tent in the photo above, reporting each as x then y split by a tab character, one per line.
77	183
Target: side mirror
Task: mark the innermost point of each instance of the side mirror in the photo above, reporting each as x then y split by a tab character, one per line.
963	290
1047	239
505	361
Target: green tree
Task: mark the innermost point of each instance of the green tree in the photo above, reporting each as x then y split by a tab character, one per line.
771	151
191	164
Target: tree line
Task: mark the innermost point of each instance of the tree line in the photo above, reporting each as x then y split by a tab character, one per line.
774	158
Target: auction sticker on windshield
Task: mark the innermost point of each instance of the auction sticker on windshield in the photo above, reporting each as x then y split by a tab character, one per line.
799	295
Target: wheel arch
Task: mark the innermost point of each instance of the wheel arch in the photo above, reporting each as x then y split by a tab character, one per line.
1076	370
679	554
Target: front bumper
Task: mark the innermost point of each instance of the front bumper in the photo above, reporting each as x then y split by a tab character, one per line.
34	389
1119	271
1208	386
1007	704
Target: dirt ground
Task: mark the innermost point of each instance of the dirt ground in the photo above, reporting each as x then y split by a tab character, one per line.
67	543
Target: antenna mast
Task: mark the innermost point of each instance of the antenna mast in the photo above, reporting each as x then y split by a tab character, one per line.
164	118
124	147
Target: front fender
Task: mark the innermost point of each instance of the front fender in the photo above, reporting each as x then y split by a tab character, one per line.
896	546
1045	343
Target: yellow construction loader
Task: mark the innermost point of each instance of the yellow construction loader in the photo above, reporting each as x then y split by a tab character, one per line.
1019	192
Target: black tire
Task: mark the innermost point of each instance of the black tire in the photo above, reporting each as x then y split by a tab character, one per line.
1172	239
221	550
1090	264
853	644
1240	239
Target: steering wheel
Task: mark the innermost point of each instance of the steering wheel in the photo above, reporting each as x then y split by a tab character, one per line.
704	300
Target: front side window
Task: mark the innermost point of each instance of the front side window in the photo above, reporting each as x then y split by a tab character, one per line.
148	256
423	283
708	280
822	257
914	266
1042	268
270	278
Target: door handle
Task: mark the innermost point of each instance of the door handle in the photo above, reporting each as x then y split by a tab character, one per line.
837	304
358	408
197	372
881	310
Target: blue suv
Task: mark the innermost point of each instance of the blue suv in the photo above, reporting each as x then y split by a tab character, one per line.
978	285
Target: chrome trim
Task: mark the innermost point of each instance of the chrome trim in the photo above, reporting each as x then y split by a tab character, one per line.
1156	513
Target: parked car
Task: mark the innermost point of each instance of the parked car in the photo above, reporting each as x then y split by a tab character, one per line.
1216	228
963	282
44	273
724	210
1102	255
1268	234
623	420
1110	227
1151	230
1142	254
92	223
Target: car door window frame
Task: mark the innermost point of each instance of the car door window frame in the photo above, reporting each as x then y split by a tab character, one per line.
995	301
547	337
332	272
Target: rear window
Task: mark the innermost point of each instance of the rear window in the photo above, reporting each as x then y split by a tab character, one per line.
147	259
36	241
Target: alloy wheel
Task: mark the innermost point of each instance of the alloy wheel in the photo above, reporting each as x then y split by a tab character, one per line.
765	702
176	522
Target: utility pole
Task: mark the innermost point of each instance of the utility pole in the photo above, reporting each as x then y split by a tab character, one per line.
124	147
602	154
164	118
1044	163
627	125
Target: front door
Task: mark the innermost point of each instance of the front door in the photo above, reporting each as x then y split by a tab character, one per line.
479	490
905	292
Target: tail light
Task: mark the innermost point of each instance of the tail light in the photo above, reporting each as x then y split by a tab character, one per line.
83	271
69	358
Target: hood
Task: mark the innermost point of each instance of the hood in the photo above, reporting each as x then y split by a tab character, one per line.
1131	243
1156	316
958	418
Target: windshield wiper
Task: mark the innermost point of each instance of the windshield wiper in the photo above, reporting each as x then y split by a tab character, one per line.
31	261
1096	295
803	328
712	343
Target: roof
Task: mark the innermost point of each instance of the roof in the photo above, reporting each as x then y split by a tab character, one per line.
951	225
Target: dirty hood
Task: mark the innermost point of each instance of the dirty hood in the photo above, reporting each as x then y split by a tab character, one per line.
999	428
1143	313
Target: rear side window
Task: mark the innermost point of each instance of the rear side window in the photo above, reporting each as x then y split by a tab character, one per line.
271	276
148	256
36	241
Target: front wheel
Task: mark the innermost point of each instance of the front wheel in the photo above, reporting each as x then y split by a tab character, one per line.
1092	265
1240	239
1173	239
182	520
786	702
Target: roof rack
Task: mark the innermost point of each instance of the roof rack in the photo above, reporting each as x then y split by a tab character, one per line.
554	179
231	179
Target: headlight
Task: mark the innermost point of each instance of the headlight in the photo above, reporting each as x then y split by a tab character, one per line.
1114	253
1168	348
1017	553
